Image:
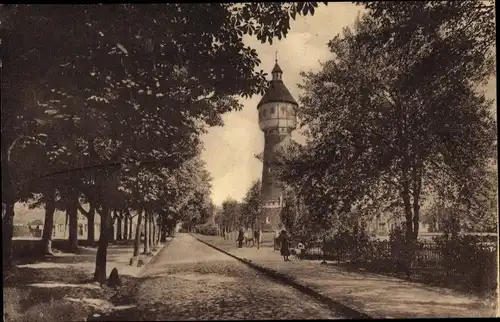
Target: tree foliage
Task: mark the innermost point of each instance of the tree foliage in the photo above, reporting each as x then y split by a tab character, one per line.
251	206
120	80
231	214
396	115
118	96
299	221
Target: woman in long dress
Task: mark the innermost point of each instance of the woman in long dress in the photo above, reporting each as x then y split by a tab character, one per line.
277	236
285	245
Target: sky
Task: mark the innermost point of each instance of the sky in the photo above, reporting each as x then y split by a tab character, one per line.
230	150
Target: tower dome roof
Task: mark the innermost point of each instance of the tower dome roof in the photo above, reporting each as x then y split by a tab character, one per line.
277	91
277	68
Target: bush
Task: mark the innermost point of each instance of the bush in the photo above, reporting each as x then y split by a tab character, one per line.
206	229
468	257
338	246
21	231
346	245
397	244
363	247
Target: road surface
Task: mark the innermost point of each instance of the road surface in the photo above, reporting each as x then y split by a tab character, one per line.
189	280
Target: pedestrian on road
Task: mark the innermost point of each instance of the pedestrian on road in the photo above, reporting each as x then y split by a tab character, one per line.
285	245
277	237
256	237
241	237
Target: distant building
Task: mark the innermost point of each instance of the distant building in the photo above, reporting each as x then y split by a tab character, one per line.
30	223
384	223
60	229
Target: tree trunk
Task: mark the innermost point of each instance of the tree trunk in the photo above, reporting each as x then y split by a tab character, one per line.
163	233
146	233
151	237
125	228
119	222
409	234
101	230
7	234
354	246
48	224
158	228
159	232
130	227
72	213
137	242
154	233
9	199
417	185
102	250
91	225
112	229
90	215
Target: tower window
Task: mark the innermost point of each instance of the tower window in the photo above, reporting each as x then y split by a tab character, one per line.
273	110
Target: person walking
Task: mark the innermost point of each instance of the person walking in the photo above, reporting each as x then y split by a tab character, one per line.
245	237
241	236
277	240
285	245
256	237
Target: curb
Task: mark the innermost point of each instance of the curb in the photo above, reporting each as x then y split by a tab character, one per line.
283	278
151	259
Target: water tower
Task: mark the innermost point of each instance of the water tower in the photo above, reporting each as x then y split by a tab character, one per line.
277	119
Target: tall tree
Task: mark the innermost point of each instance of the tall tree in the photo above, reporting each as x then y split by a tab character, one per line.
396	115
251	205
135	82
231	213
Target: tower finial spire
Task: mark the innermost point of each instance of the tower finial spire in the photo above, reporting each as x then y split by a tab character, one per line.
276	57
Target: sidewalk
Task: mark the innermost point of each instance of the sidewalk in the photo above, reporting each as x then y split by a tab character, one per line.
375	295
60	287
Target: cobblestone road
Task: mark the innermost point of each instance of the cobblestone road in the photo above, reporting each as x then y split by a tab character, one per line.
192	281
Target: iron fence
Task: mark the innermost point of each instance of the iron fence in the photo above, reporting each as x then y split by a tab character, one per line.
473	264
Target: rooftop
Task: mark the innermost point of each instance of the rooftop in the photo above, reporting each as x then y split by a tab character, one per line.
277	91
